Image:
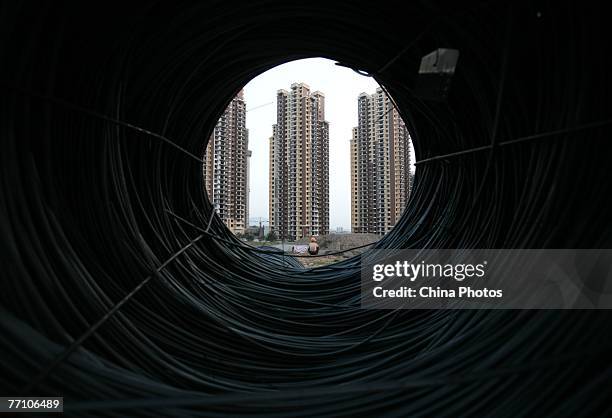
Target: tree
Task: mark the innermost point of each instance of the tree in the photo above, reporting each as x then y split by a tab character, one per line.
271	236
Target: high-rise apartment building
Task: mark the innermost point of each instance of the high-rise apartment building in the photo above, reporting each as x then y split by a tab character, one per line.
380	165
299	165
226	166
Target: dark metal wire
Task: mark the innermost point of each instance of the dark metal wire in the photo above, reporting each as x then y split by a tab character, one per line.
534	137
95	326
89	112
88	208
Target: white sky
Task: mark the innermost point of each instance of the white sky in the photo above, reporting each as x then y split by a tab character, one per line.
341	87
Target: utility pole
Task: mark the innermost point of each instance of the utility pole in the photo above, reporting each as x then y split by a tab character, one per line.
261	231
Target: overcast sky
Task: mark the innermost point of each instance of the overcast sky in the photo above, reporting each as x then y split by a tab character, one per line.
341	87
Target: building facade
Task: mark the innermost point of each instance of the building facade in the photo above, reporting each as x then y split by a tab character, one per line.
380	165
299	165
226	166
